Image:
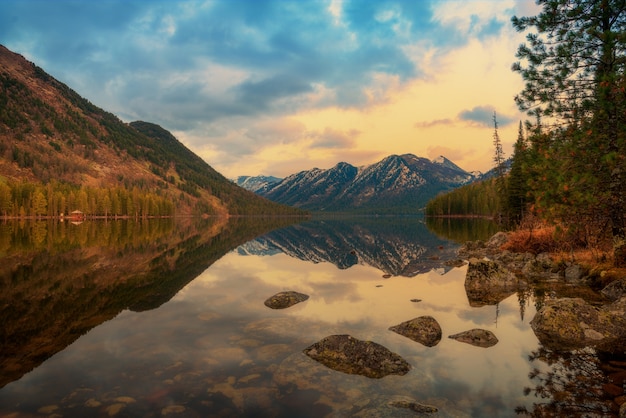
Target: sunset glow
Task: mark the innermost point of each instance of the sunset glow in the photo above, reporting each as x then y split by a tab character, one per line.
278	87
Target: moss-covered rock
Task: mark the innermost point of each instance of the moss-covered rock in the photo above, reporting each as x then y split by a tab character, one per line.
425	330
477	337
347	354
570	323
284	300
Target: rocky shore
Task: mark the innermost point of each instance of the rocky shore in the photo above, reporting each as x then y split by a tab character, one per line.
573	313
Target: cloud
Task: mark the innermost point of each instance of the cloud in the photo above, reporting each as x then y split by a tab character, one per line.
332	138
233	79
433	123
483	115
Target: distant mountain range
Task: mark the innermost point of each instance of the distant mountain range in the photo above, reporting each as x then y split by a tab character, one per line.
396	184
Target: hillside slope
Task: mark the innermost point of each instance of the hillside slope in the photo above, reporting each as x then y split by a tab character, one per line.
48	133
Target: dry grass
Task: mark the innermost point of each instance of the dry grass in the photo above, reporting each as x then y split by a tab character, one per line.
533	240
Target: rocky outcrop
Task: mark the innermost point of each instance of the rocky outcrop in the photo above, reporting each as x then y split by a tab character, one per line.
488	282
570	323
284	300
425	330
527	265
347	354
478	337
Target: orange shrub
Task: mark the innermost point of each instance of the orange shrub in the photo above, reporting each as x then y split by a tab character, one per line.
535	241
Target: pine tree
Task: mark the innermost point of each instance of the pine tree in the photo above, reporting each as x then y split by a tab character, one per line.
498	157
517	187
574	67
500	168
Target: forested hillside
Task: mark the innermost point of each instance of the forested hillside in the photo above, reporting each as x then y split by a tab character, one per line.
477	199
60	153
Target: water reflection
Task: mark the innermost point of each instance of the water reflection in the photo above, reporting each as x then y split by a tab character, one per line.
60	280
405	248
462	230
574	383
171	321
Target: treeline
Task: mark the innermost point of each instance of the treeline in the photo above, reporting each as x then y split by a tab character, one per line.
476	199
54	199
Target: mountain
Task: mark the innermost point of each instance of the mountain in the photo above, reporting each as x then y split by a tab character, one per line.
396	184
256	184
49	135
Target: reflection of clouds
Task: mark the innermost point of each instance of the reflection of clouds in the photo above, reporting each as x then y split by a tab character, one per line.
216	336
337	292
484	316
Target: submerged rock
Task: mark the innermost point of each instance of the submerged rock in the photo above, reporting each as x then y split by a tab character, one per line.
284	300
478	337
488	283
425	330
347	354
570	323
413	406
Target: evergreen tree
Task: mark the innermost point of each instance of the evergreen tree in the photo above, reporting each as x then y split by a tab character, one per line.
500	168
517	187
498	157
574	66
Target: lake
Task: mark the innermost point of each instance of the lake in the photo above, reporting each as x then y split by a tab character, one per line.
167	318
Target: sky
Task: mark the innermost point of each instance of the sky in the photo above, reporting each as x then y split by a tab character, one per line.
274	87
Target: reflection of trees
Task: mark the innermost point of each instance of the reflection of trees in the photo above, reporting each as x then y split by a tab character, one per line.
572	385
86	274
462	230
52	234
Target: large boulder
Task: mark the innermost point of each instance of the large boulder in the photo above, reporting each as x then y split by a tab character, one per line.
347	354
570	323
284	300
425	330
488	283
477	337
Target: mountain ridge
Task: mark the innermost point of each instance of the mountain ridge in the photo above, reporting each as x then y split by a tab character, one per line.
397	183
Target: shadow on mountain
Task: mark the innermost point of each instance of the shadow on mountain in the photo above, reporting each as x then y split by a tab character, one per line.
395	245
60	280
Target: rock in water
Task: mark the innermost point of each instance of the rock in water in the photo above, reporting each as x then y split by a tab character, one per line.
425	330
414	406
284	300
478	337
487	282
347	354
570	323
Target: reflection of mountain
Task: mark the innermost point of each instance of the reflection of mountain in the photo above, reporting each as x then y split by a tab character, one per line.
397	246
60	281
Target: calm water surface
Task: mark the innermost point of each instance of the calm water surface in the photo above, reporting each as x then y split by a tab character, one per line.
164	320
